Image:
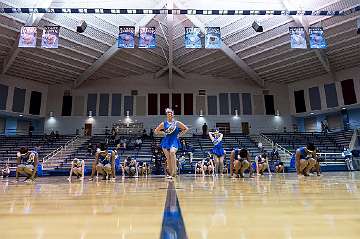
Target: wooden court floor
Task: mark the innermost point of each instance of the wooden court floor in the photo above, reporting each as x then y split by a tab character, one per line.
281	206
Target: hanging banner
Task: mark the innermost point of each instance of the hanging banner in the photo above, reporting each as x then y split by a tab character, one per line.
297	37
28	37
147	38
126	37
50	37
212	37
317	38
192	37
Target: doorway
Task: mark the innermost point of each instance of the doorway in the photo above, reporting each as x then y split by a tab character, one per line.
223	127
88	130
245	128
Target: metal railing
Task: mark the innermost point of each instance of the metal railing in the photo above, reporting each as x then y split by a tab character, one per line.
278	146
61	150
353	139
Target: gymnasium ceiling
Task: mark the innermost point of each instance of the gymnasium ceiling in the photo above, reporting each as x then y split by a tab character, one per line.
245	54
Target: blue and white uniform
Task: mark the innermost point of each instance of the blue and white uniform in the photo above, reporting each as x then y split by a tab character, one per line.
237	155
207	162
29	158
77	163
171	138
105	157
303	153
218	149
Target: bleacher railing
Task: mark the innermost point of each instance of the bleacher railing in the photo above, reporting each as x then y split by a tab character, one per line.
60	151
278	146
354	139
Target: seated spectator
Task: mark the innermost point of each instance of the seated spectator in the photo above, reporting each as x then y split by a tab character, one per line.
37	148
186	150
260	146
57	135
138	143
151	134
157	160
90	149
31	130
144	135
275	154
131	144
123	143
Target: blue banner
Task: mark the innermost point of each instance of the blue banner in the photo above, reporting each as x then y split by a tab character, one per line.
317	38
50	37
126	37
212	37
147	38
192	37
28	37
297	37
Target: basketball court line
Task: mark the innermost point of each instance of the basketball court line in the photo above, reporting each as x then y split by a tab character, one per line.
173	225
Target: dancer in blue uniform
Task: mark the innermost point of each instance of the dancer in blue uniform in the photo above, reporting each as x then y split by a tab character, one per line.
239	162
262	163
77	168
217	151
171	129
27	162
304	163
104	163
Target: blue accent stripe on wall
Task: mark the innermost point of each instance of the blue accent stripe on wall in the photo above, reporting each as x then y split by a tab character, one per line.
173	223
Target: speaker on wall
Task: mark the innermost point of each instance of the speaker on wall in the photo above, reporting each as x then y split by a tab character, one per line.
257	27
81	27
134	92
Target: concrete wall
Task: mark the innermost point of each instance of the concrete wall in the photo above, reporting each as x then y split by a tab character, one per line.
147	84
353	73
13	82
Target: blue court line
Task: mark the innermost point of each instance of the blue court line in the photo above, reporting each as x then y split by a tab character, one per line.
173	223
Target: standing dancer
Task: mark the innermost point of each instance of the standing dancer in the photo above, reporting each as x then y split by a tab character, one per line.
172	130
218	150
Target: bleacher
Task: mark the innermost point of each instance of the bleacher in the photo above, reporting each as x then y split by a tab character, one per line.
292	141
81	153
342	138
10	145
201	146
330	145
